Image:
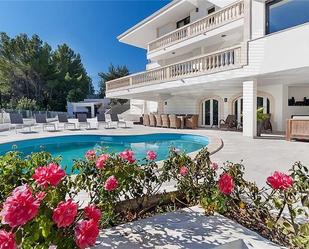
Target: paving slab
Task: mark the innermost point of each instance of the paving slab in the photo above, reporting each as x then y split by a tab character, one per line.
187	228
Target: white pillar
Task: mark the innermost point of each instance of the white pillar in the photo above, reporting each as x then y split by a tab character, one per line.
92	110
249	108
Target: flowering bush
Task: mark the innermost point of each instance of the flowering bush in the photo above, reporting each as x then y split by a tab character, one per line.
229	193
35	213
110	178
38	209
16	171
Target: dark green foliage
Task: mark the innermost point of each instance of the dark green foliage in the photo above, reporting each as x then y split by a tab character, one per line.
29	68
114	72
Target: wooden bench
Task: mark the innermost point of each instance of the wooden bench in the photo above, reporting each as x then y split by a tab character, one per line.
297	129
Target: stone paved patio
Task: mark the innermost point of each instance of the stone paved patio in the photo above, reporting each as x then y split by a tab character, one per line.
188	228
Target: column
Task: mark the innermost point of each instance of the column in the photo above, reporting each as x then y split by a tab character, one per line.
92	110
249	108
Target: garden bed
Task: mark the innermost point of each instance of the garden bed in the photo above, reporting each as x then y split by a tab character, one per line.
38	207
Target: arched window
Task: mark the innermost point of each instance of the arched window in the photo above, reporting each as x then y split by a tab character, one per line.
261	102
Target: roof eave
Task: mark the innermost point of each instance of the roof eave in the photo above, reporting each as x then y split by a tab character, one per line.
149	18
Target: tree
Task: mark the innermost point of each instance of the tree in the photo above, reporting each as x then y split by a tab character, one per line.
30	68
112	73
72	81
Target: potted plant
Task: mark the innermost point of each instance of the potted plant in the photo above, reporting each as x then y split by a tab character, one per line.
260	118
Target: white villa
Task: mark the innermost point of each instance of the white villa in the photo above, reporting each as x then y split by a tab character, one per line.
220	57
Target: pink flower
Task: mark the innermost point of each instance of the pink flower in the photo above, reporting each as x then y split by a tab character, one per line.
226	184
7	240
100	164
111	183
41	176
127	155
183	170
55	174
86	233
280	180
40	196
214	166
48	175
90	155
65	213
92	212
20	207
151	155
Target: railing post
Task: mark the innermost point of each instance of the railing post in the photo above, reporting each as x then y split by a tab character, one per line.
189	31
168	75
131	81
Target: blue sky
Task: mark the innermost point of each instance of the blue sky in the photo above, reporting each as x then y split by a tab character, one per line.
89	27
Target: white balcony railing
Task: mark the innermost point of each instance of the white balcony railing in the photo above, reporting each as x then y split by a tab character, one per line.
212	21
210	63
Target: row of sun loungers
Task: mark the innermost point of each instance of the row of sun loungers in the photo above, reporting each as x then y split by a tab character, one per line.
107	120
171	121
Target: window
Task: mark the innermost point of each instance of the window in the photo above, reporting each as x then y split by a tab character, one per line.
183	22
283	14
261	102
211	10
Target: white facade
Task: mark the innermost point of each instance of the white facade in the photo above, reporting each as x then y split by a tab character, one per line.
91	106
220	63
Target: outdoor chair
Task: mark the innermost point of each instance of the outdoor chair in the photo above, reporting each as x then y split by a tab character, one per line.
191	121
146	120
115	119
152	120
17	122
158	120
40	119
174	121
82	120
229	123
165	121
101	120
63	119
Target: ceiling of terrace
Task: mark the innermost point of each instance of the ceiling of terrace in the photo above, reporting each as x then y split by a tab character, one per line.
145	31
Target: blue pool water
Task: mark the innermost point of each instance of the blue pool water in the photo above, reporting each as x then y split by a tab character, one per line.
74	146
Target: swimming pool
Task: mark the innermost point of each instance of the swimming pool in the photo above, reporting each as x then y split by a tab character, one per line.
74	146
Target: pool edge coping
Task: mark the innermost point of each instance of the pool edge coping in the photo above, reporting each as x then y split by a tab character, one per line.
215	143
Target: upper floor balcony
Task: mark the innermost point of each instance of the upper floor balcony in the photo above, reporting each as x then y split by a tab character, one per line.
226	59
215	20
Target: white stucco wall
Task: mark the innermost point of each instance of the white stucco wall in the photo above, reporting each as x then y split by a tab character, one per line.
166	29
277	94
138	107
203	7
298	92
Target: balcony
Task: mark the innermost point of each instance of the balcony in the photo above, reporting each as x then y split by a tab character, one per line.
219	61
219	18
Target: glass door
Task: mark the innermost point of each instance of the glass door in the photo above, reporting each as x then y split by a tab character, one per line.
211	113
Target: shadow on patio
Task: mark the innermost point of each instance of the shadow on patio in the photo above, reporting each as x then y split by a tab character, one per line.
181	229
